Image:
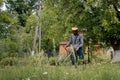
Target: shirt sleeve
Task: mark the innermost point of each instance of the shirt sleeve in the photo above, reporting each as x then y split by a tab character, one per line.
81	40
70	41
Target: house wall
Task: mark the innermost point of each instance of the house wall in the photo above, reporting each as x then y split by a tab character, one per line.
62	50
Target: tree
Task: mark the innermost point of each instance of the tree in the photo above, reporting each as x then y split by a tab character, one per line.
100	18
1	2
24	11
58	17
23	8
9	38
7	21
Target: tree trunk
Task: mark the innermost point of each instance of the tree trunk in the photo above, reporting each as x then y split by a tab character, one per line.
39	44
34	42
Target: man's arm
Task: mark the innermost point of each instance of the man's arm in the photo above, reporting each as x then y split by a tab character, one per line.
81	44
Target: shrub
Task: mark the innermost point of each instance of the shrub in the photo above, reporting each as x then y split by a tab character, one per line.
44	60
9	61
13	55
5	55
53	61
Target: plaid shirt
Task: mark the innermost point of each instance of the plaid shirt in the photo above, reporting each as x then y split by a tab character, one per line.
76	41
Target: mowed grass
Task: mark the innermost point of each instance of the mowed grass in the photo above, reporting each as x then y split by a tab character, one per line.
98	71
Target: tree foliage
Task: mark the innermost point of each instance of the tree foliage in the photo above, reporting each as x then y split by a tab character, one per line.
23	8
1	2
98	20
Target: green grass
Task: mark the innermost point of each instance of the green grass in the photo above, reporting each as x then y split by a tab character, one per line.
90	72
39	68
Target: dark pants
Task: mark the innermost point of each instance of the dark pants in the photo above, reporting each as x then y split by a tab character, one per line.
80	54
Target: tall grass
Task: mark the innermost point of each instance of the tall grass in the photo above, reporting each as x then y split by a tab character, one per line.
90	72
40	69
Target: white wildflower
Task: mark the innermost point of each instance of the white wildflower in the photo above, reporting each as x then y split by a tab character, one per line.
66	73
45	73
28	78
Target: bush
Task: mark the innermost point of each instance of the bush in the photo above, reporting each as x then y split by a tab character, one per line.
13	55
5	55
44	60
9	61
53	61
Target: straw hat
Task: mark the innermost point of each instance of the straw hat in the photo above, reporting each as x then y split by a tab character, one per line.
74	28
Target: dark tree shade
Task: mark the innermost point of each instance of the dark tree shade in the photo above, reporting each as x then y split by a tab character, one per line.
24	8
117	12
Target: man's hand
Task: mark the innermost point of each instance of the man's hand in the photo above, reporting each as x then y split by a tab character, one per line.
65	47
77	48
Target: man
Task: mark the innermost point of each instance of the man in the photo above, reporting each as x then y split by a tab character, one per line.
76	40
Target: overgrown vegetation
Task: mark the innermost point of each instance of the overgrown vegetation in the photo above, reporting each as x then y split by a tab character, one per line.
36	68
28	26
97	20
